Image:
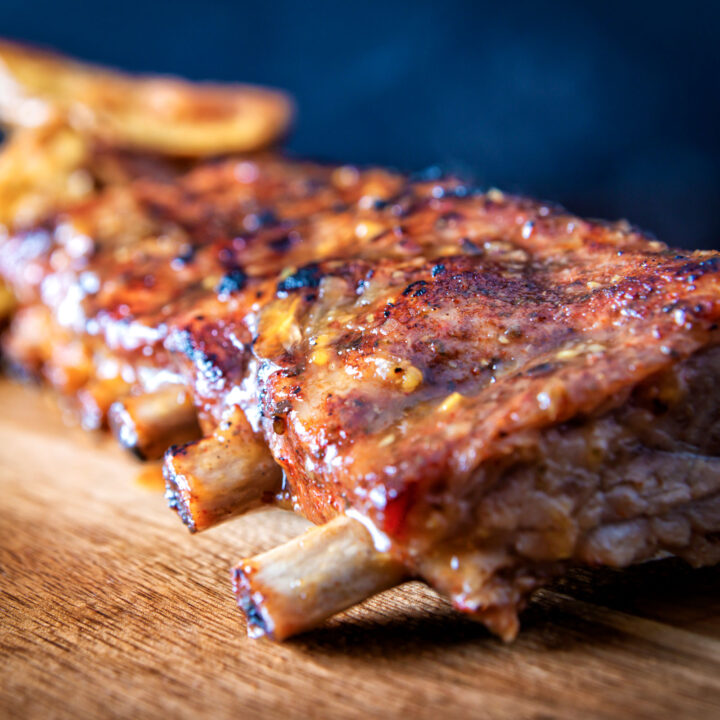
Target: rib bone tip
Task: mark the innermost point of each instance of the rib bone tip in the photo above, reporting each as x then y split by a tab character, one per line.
296	586
147	424
259	624
214	479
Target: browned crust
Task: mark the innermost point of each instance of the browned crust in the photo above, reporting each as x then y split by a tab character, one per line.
388	338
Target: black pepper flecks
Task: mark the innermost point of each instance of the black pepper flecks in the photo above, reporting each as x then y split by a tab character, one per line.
281	244
417	288
306	277
186	256
232	281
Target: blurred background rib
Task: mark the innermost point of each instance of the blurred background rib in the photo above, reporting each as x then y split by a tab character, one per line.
610	108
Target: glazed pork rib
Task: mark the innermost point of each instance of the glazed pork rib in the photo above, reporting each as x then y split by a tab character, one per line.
78	137
473	389
495	389
469	388
99	283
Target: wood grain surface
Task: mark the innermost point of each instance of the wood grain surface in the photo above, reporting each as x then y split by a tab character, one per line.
109	608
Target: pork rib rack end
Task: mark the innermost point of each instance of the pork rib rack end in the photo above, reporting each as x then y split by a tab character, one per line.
470	388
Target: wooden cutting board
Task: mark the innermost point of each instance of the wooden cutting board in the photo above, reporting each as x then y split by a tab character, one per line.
109	608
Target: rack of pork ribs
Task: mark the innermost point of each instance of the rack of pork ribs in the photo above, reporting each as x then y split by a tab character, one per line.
468	388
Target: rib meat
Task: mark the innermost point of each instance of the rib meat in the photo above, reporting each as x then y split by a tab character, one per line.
489	389
496	389
98	282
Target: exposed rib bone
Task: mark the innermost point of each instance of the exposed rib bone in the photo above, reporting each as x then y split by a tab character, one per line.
148	424
96	398
220	476
296	586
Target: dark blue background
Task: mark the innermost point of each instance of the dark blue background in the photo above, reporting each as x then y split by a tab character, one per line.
611	108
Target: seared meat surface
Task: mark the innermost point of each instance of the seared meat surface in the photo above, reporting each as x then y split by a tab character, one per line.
99	281
479	379
487	399
471	388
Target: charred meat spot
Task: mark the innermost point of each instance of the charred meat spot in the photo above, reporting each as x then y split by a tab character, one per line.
470	247
438	269
140	455
177	450
710	264
417	288
187	254
388	308
267	217
184	343
254	617
659	407
447	219
282	244
349	343
232	281
306	277
262	219
693	269
208	364
541	369
291	372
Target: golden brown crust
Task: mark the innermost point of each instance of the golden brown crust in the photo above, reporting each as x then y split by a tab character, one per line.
531	318
391	339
